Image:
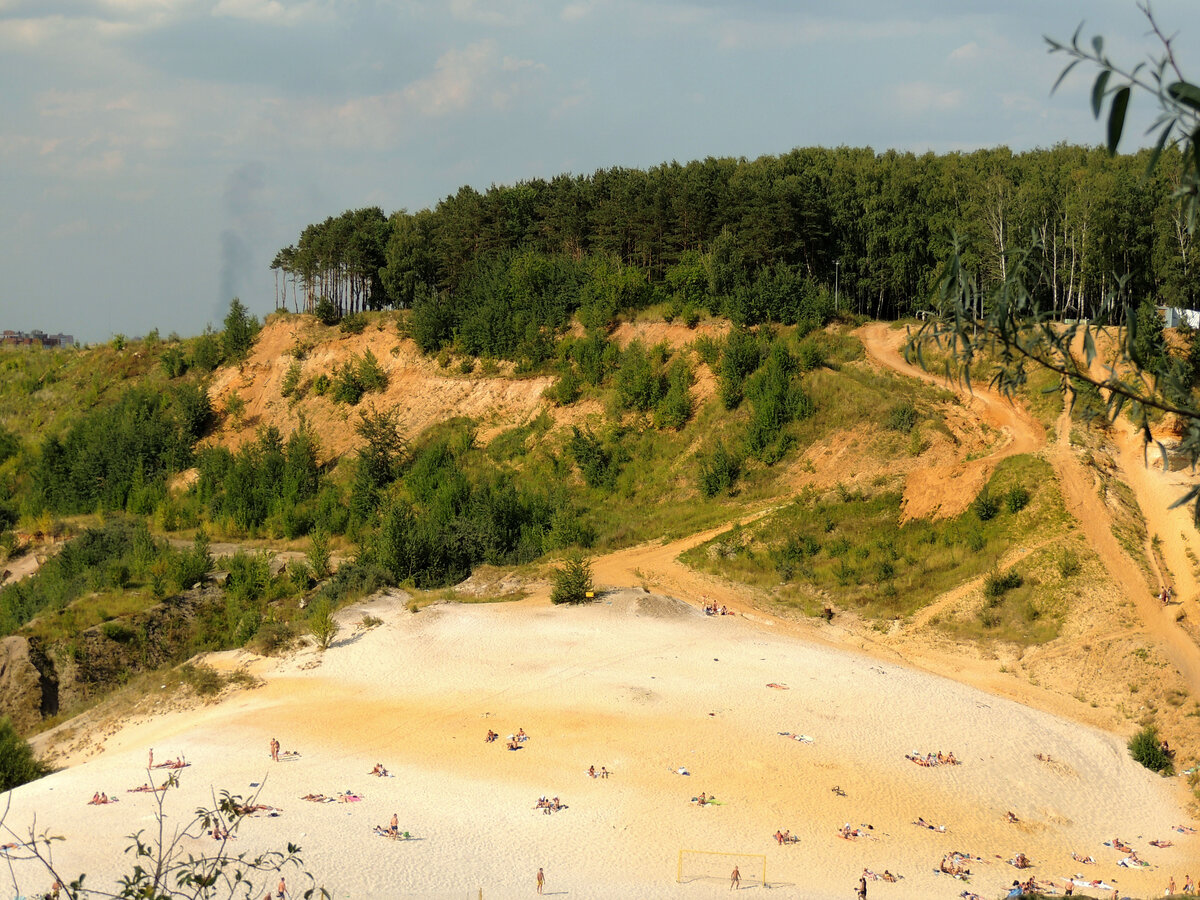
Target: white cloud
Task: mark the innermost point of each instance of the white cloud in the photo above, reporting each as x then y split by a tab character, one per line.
968	52
456	79
492	13
268	11
916	97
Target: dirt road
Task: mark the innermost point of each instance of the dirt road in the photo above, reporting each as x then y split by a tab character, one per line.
1080	495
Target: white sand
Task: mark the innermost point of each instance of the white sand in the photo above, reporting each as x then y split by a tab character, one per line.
641	685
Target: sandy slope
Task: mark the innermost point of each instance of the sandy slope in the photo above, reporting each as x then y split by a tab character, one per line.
676	689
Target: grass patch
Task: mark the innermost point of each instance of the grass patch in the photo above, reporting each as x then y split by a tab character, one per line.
849	545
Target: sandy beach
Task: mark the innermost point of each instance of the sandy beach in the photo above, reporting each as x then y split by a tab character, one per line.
644	686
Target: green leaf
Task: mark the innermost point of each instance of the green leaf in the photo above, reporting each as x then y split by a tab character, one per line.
1158	149
1065	72
1089	346
1116	118
1098	44
1098	92
1186	93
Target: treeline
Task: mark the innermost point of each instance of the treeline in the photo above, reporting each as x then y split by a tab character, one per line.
757	241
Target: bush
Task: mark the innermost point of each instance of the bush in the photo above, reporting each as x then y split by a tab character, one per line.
902	417
18	765
291	380
573	580
353	323
321	385
1016	499
1146	748
370	373
317	557
322	624
173	361
719	471
810	355
985	506
997	583
565	390
206	355
326	312
1068	564
240	329
203	679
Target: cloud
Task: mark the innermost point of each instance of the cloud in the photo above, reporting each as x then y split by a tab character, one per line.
490	13
968	52
918	97
272	12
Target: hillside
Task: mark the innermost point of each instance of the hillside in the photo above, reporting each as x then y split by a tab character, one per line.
857	528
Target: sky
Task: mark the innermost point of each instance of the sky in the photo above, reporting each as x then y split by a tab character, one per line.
155	154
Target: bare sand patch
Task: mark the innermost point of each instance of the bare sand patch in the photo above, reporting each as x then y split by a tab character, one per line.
643	685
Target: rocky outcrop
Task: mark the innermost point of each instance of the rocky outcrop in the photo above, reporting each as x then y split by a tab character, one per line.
36	681
28	687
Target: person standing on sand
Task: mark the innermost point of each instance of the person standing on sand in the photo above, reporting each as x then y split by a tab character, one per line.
1170	887
735	879
862	887
541	880
150	764
281	891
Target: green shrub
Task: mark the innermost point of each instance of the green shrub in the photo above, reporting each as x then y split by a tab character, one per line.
997	583
466	366
326	312
985	506
291	379
321	385
207	353
203	679
354	323
18	765
902	417
719	471
565	390
317	556
708	349
370	374
810	355
321	624
1016	499
572	580
173	361
1068	564
1146	748
235	408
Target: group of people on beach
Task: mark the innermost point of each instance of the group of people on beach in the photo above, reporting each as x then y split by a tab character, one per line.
711	609
514	740
549	805
603	773
931	759
100	798
786	837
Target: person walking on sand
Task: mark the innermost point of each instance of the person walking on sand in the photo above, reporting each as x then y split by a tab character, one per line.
735	879
1170	887
281	891
541	880
862	887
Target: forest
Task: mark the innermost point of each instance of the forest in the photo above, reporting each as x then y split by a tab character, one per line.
751	240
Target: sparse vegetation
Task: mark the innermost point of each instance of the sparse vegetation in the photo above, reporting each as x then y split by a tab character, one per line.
572	580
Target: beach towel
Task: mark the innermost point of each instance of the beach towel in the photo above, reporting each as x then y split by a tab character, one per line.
802	738
1130	863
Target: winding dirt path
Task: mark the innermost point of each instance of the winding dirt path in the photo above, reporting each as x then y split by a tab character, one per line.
1080	492
947	490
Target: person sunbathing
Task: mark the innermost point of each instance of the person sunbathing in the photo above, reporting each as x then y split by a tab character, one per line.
592	771
702	799
950	760
1012	817
603	772
491	736
522	737
1021	861
1087	860
513	745
380	771
779	837
1161	844
315	798
789	838
1119	845
220	834
888	876
95	801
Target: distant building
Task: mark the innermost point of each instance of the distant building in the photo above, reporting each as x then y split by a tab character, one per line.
1174	316
35	338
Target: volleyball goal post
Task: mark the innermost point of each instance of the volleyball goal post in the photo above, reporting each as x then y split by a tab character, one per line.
697	864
